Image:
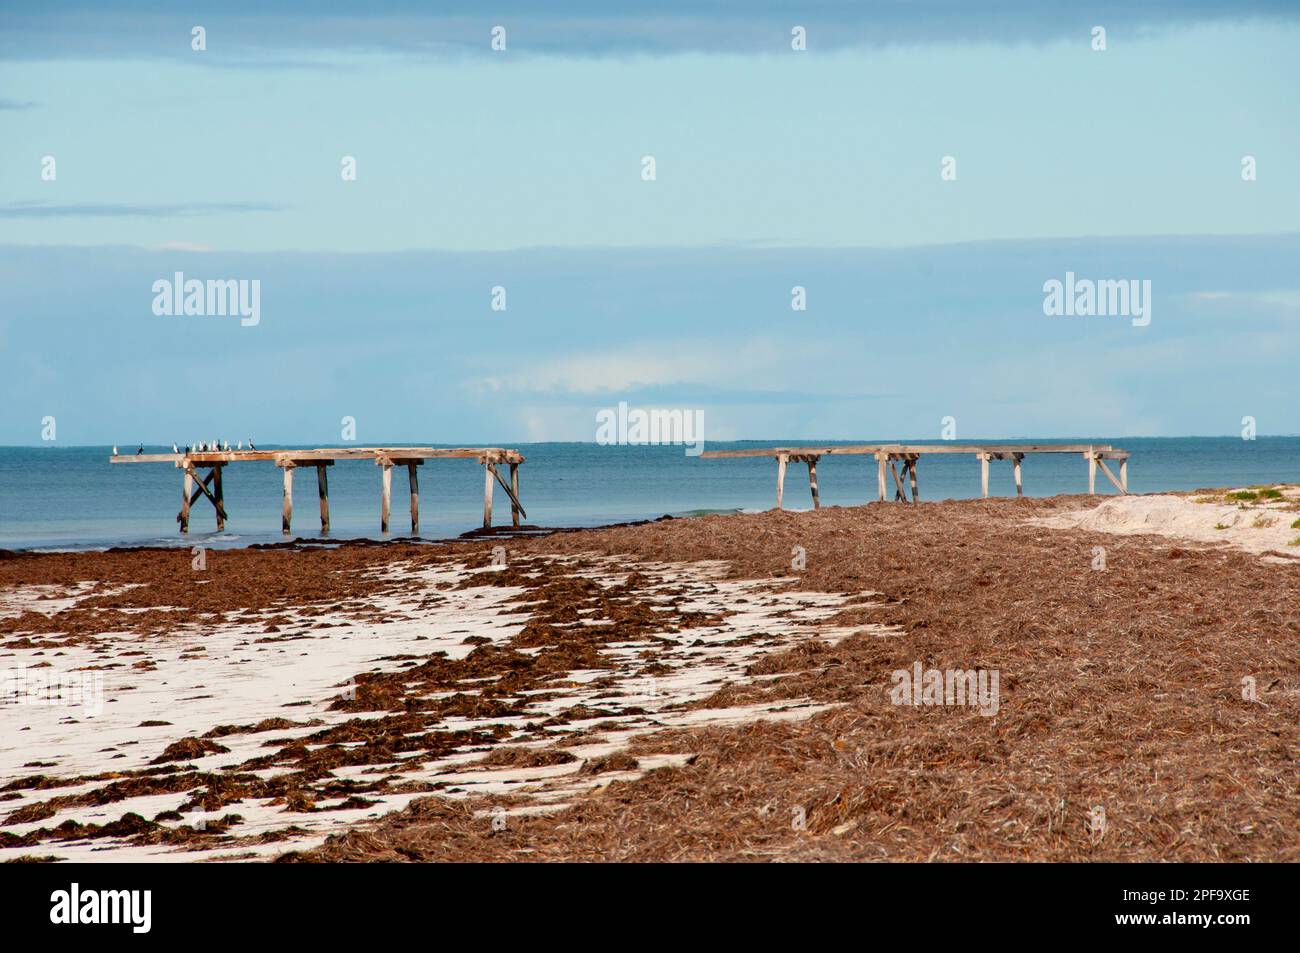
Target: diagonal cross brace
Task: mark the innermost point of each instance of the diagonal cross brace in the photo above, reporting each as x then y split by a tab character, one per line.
509	492
202	487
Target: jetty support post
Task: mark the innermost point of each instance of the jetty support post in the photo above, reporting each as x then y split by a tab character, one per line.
489	479
323	489
413	480
781	460
911	469
984	474
514	495
881	458
187	487
386	490
286	509
812	480
1092	471
1017	458
218	496
1123	472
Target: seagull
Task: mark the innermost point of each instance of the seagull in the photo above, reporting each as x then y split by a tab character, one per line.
240	445
114	449
250	444
140	451
226	446
175	449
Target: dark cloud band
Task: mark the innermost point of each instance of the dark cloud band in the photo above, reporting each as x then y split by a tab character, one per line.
253	34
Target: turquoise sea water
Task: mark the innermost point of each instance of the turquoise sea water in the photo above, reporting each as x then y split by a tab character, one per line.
71	497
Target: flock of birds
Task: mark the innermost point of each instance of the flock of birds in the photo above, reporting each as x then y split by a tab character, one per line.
200	446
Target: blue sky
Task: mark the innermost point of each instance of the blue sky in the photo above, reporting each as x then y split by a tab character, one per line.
522	169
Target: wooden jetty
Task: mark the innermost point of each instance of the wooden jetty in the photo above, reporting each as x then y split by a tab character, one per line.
907	455
210	485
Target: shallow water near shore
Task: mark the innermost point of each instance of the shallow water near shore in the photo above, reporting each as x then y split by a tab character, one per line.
54	497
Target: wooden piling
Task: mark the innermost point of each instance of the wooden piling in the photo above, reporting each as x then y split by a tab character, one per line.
286	512
911	469
880	475
387	492
489	481
1092	472
1017	458
323	488
812	482
218	498
514	496
1123	473
781	461
187	487
984	474
413	478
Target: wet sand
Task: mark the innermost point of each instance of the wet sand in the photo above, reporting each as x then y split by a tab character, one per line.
703	689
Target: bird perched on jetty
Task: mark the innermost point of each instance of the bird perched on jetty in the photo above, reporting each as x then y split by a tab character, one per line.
240	445
140	451
250	444
225	445
114	449
175	449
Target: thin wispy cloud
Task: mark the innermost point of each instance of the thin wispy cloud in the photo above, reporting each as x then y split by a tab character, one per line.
410	339
14	104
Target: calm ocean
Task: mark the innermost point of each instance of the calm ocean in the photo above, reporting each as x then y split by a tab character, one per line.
71	497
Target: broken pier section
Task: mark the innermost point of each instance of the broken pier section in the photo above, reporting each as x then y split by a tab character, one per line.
386	458
889	457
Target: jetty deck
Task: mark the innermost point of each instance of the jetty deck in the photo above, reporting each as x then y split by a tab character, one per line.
214	462
892	455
